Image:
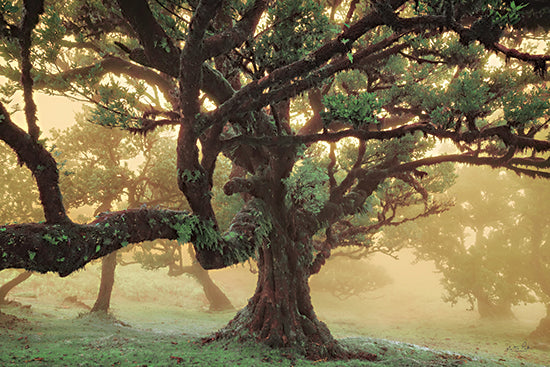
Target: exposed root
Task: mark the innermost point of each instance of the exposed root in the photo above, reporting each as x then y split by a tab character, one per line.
310	339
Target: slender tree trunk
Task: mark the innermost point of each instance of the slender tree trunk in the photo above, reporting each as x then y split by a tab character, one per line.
8	286
108	266
216	298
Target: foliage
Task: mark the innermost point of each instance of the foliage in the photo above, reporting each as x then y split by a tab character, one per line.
18	196
359	110
292	30
305	187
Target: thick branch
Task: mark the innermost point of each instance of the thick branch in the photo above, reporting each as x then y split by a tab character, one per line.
159	49
64	248
300	67
308	72
237	35
523	56
167	59
241	101
502	132
539	61
32	10
109	64
470	159
41	163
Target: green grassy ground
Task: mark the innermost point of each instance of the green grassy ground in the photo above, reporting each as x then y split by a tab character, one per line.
93	341
52	340
159	321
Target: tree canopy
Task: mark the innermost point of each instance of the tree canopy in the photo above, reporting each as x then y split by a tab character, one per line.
328	110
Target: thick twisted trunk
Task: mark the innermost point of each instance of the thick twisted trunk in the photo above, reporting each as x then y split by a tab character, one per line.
280	314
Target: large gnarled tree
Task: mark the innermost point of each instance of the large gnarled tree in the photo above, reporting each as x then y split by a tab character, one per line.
390	76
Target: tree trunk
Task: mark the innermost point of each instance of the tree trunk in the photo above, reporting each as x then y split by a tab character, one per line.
542	333
7	287
216	298
280	314
489	310
108	266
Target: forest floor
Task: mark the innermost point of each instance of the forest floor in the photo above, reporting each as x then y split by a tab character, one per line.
159	321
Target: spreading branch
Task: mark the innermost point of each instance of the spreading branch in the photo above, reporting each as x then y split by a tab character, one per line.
31	12
238	34
40	162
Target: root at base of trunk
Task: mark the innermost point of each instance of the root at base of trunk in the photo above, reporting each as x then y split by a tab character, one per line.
307	338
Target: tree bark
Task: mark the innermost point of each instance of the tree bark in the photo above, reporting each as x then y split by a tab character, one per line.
217	300
7	287
490	310
542	333
280	314
103	301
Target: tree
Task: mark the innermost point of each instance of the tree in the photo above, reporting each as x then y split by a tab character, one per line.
467	247
19	202
98	173
390	76
491	246
526	238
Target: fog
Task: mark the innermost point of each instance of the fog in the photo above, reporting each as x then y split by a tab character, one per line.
406	306
410	309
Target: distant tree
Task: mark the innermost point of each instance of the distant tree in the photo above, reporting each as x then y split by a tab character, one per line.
390	76
526	239
461	242
101	177
19	203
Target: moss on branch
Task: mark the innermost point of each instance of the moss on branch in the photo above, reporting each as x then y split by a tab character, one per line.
66	247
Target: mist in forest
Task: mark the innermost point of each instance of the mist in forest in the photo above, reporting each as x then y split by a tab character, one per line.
418	295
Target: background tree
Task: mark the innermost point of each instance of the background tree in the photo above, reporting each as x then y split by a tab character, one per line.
423	75
462	243
19	202
491	246
526	239
106	169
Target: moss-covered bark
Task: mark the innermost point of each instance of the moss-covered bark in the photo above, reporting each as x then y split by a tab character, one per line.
66	247
280	314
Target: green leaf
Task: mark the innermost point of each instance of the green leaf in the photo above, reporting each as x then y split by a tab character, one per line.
32	254
97	248
350	57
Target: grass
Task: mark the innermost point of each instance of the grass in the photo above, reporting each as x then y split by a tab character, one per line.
162	321
89	340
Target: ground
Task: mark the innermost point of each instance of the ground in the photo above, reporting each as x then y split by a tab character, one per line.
166	327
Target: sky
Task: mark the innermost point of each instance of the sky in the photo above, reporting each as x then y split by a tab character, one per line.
52	112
